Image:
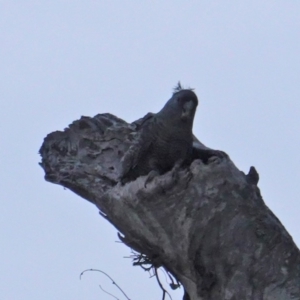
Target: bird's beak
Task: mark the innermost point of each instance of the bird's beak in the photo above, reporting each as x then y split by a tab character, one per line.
188	110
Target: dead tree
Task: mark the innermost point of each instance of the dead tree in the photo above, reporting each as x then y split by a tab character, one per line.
205	224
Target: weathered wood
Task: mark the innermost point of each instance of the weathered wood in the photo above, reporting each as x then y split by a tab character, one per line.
206	224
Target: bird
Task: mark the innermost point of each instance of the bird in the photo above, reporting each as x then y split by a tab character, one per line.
165	139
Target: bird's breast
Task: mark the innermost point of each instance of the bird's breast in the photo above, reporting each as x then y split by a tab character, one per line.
170	148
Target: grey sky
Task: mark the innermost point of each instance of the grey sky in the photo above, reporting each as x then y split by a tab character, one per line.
63	59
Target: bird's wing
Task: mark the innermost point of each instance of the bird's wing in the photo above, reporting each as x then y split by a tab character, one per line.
140	123
141	143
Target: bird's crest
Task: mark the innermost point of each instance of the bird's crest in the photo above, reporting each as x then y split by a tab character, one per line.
179	88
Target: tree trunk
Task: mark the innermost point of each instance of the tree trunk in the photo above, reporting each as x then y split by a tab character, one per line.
206	224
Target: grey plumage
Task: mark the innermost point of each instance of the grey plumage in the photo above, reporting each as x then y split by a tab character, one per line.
165	137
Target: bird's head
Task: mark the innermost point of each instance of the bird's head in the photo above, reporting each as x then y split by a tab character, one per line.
181	107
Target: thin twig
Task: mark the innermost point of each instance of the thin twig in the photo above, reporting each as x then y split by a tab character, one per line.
96	270
107	292
166	278
161	286
173	285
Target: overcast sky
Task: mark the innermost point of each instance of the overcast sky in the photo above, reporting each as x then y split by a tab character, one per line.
60	60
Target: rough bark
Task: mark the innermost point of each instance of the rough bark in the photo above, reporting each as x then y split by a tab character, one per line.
206	224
